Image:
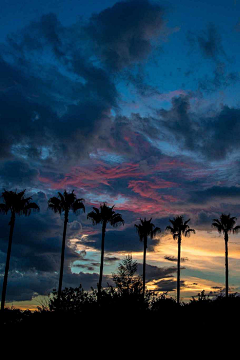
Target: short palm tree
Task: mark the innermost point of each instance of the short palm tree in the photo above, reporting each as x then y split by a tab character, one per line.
225	225
63	204
178	229
104	215
144	229
15	203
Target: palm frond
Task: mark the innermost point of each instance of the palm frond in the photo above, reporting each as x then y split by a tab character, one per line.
66	202
116	220
55	204
170	228
94	217
105	214
155	231
225	223
77	206
4	209
140	231
179	227
236	229
17	203
189	231
29	208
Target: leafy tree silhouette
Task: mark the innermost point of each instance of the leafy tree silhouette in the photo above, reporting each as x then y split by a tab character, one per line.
126	280
178	229
15	203
64	203
225	225
104	215
144	229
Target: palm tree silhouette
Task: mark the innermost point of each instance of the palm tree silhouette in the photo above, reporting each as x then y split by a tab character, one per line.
104	215
64	203
179	227
144	229
16	203
225	224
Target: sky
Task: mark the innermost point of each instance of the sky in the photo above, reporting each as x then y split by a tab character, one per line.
133	103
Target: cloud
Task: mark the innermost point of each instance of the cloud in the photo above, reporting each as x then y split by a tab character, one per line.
213	136
168	285
179	123
174	259
27	285
123	34
56	105
17	173
210	43
222	193
220	79
155	272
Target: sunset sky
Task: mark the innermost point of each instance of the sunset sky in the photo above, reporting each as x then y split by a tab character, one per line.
133	103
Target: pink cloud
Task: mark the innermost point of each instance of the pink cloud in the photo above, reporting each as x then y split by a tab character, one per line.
100	174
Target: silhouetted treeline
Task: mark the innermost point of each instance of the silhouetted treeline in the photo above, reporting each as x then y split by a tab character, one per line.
121	305
80	308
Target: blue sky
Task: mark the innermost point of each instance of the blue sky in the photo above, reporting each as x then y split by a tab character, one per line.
134	103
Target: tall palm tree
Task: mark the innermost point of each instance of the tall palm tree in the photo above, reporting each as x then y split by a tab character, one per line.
226	224
104	215
63	204
144	229
178	229
15	203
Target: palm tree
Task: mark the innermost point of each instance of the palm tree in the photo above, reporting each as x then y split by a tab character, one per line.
178	229
15	203
225	224
104	215
144	229
64	203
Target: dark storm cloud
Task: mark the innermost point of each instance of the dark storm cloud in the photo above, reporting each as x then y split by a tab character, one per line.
215	192
25	286
50	109
214	137
168	285
155	272
204	220
116	240
123	33
17	173
163	277
179	123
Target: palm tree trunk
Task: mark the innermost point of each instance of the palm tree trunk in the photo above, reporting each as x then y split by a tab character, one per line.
144	264
226	264
62	258
178	269
101	263
4	289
